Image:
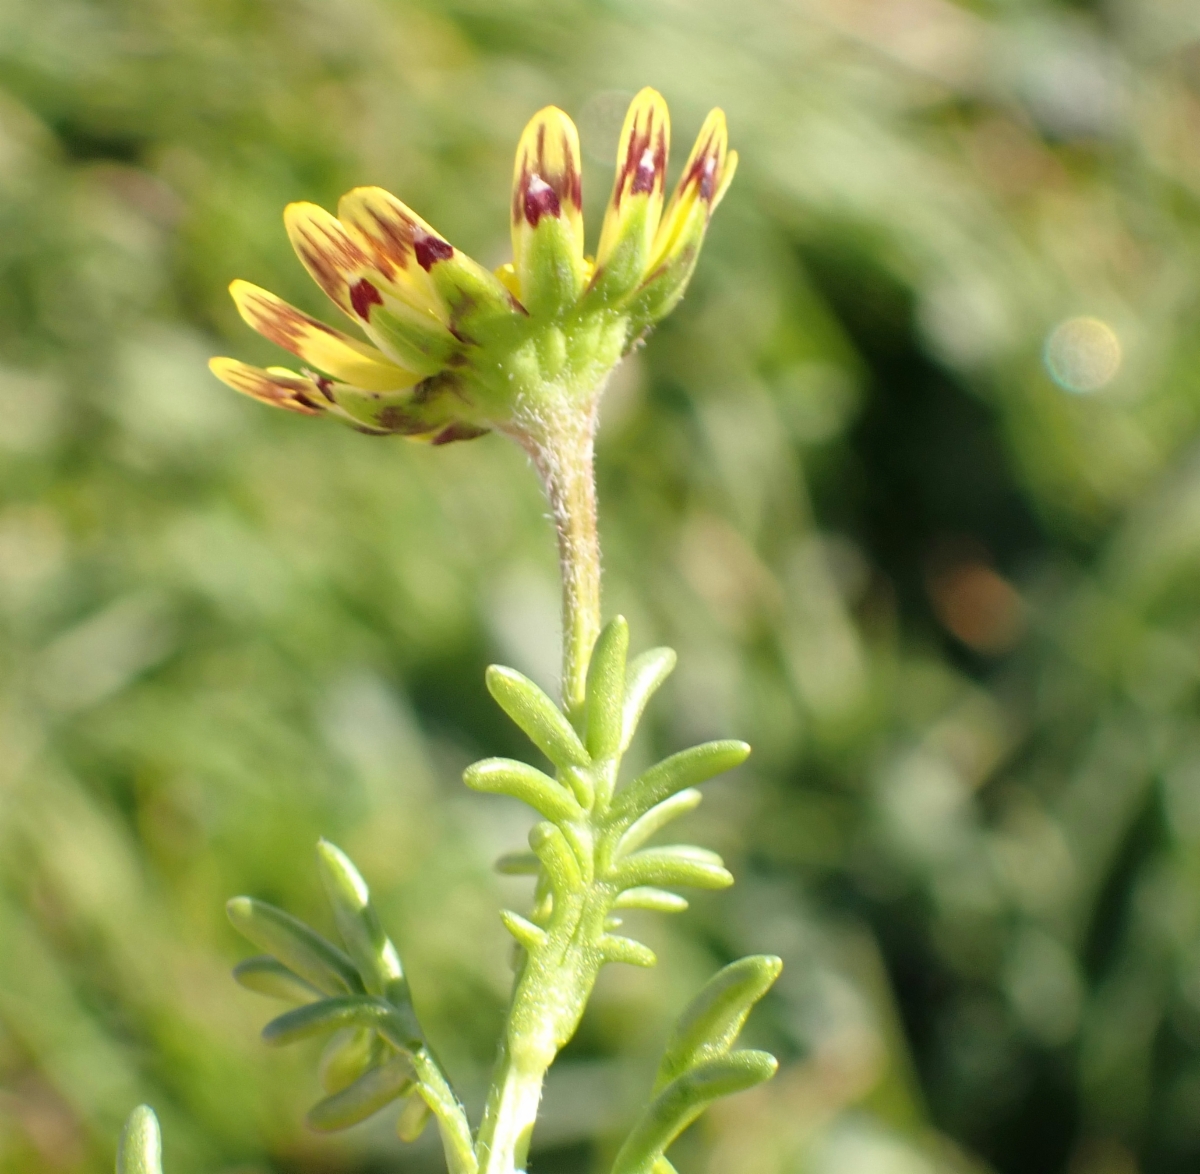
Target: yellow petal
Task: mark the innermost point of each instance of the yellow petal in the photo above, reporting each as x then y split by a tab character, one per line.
402	246
641	172
275	386
333	258
396	306
329	350
547	176
704	179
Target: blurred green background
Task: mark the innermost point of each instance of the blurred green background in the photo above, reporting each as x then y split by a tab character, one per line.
911	480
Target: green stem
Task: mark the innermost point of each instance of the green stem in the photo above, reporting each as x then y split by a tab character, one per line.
553	984
551	991
562	451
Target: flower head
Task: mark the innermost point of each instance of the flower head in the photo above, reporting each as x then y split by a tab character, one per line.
454	350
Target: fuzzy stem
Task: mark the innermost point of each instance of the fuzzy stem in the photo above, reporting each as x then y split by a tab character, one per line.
563	456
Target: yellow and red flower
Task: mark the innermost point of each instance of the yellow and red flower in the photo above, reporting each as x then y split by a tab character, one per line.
455	350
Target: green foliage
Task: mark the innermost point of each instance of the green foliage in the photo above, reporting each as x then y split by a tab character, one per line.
698	1065
588	859
951	604
378	1055
587	849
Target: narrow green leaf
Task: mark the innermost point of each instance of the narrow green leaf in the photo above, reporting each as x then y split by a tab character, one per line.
413	1119
555	853
685	769
656	818
712	1020
266	976
300	949
518	864
606	689
616	948
646	674
646	897
348	1054
506	776
372	1091
358	923
530	936
140	1148
543	722
328	1015
673	864
683	1100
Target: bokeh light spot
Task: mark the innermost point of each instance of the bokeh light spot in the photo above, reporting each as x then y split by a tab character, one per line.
1082	354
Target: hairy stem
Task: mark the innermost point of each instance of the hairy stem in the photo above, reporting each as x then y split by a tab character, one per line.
552	988
562	452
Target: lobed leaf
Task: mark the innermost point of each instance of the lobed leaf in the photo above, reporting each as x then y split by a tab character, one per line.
712	1020
655	819
544	723
647	897
518	864
673	864
506	776
267	976
552	849
331	1014
301	949
528	935
683	1100
616	948
606	690
372	1091
348	1054
645	675
372	951
413	1119
140	1148
685	769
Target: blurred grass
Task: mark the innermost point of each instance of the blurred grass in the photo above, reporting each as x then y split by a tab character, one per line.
951	602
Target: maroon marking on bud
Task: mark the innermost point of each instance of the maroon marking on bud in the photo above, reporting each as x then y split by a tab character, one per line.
430	250
363	295
329	254
540	199
542	191
645	162
570	187
284	325
394	418
458	431
651	166
324	385
703	172
392	237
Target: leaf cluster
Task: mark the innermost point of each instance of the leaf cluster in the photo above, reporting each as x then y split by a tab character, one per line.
590	856
590	844
357	996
